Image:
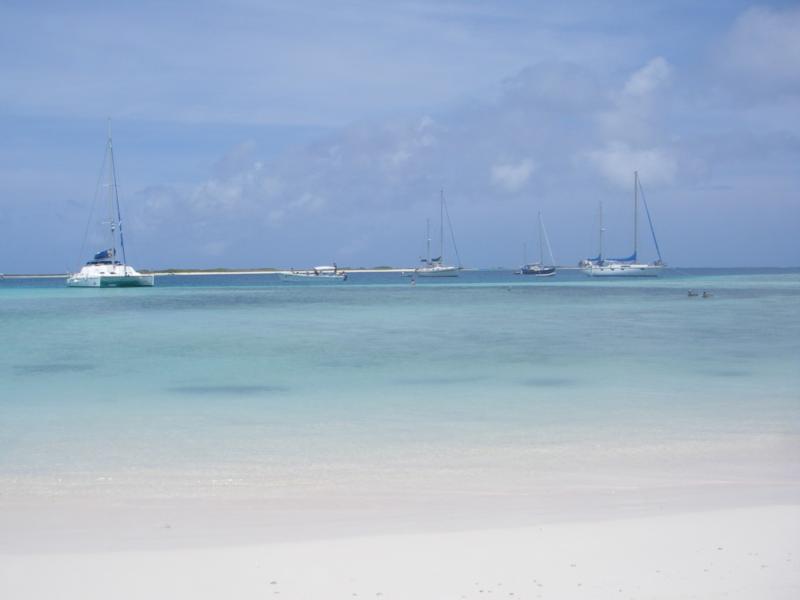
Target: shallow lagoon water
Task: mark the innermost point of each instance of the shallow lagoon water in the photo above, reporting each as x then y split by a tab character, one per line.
376	384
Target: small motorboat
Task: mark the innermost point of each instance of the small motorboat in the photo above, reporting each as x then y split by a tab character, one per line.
322	274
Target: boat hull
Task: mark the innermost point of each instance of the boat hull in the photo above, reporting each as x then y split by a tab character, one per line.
105	281
437	272
623	270
538	271
311	278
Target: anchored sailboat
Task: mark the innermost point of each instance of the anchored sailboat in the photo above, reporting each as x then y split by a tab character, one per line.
539	269
105	269
435	267
600	266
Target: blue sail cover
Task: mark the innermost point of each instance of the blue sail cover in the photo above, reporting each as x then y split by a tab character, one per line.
631	258
104	254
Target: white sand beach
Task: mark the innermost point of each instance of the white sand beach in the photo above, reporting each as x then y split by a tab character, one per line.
737	553
662	522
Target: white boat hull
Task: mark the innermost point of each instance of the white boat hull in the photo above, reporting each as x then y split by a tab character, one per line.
623	270
112	281
107	275
312	278
439	271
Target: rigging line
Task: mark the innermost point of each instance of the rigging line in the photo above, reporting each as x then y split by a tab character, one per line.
650	221
452	234
547	242
91	211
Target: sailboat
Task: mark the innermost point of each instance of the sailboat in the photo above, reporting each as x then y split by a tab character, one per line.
539	269
600	266
105	269
435	267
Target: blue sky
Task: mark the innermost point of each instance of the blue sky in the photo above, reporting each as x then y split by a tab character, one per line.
294	133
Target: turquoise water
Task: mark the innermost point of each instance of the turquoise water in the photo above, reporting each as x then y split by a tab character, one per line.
272	386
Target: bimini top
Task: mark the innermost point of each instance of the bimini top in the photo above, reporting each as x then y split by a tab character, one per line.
104	257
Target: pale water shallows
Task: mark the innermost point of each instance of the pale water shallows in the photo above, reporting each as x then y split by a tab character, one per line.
493	384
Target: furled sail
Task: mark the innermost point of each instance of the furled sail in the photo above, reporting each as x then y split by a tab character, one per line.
631	258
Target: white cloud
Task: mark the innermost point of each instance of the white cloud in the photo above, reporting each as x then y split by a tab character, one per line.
649	78
513	176
406	142
639	105
617	161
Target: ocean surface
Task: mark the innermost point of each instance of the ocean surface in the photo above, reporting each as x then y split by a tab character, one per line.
491	383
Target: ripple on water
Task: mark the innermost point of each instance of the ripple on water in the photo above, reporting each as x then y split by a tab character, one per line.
229	390
444	380
550	382
52	368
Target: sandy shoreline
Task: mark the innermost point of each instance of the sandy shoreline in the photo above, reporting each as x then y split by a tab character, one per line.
737	553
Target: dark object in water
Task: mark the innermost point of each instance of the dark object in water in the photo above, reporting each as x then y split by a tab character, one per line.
708	295
692	294
538	270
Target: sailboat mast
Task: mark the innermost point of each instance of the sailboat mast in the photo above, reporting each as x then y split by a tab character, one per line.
428	237
600	251
635	214
441	226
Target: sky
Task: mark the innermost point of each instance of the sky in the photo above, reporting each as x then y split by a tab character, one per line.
288	134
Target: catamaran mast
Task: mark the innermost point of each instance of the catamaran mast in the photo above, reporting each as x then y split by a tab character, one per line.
110	188
116	199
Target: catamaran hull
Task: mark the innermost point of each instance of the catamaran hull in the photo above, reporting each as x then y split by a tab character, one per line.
623	270
112	281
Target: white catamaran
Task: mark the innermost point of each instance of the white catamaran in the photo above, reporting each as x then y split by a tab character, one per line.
600	266
105	269
435	267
